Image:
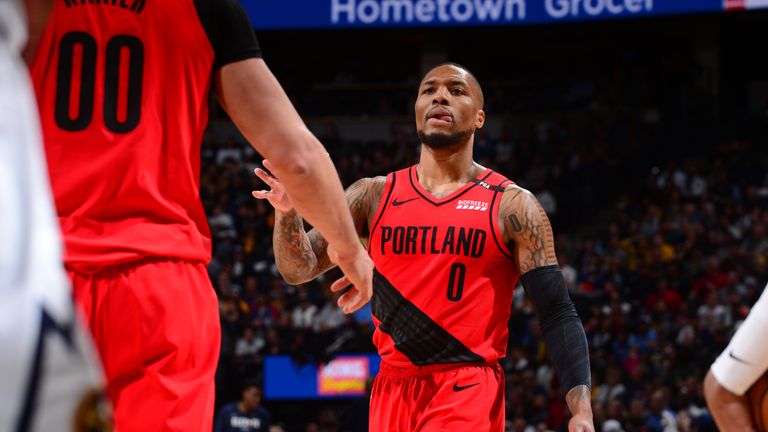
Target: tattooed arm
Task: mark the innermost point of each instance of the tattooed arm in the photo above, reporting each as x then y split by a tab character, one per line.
301	256
525	228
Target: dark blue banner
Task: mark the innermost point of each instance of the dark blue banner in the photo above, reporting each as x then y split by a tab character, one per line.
295	14
345	376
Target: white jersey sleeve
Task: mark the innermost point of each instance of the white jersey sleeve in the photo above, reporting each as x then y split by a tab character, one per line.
49	377
13	29
746	357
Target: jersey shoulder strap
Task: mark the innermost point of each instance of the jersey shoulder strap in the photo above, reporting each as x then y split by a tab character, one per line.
389	187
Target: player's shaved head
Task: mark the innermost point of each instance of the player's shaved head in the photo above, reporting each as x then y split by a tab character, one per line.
449	106
472	80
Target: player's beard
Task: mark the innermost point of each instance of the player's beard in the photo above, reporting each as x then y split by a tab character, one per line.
438	140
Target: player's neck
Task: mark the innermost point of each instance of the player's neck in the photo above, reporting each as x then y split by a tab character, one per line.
440	171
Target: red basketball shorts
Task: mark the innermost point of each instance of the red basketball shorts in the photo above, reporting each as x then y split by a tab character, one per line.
440	398
156	326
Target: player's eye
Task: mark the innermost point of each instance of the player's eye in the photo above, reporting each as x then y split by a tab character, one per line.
428	90
457	91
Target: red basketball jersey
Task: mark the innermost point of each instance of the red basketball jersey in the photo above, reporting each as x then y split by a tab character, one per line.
123	88
444	282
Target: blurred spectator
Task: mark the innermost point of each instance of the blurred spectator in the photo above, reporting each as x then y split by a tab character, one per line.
248	346
304	313
247	415
660	417
222	224
713	314
612	389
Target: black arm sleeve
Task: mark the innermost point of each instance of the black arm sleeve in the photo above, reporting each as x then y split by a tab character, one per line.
562	328
229	30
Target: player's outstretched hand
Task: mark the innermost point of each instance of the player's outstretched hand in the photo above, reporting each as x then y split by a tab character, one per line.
581	423
358	273
276	194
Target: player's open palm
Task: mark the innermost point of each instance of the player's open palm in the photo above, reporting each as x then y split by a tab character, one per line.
276	195
358	272
580	423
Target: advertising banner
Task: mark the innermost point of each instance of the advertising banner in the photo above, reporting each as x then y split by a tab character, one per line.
299	14
344	376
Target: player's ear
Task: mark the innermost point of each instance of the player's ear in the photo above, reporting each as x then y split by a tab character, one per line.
480	119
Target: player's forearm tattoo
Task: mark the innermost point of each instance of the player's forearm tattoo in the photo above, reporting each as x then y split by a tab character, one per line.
302	256
294	254
578	399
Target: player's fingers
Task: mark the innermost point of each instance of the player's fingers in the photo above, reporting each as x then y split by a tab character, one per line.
260	194
267	164
346	300
264	176
579	427
340	284
357	302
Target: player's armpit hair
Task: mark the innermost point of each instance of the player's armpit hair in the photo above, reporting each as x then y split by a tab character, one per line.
560	323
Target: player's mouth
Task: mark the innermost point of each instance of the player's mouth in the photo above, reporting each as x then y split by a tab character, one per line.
439	116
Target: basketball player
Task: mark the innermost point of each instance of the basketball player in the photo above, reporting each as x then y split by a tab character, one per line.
123	91
450	239
744	360
48	374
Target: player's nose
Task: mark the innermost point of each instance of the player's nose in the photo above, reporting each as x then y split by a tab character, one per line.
441	96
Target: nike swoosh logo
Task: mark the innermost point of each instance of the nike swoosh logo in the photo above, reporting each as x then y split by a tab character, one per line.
458	388
395	202
739	359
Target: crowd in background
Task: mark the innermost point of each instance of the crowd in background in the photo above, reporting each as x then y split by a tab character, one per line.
661	223
661	276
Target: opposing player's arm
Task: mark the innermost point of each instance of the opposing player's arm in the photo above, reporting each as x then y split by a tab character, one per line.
737	370
730	411
528	233
302	256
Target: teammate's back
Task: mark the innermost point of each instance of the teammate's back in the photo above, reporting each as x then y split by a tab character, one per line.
124	89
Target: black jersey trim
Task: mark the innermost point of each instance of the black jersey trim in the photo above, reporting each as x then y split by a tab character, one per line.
229	31
244	55
476	182
494	213
381	213
414	333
